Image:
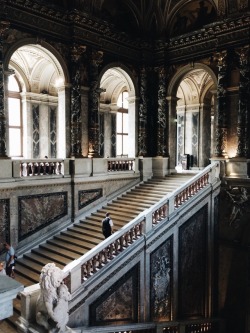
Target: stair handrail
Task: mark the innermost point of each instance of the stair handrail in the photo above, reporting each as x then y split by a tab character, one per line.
78	271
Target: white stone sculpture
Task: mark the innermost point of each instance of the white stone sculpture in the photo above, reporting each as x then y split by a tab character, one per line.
61	315
52	303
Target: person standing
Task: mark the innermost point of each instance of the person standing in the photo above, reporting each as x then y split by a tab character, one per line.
9	259
107	226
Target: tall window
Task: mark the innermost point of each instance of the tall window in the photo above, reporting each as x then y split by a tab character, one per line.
15	118
122	125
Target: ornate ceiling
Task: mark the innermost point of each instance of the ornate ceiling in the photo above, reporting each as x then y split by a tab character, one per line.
148	19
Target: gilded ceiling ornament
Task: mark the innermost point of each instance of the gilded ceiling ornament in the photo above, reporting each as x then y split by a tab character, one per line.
4	26
243	4
221	8
77	51
97	58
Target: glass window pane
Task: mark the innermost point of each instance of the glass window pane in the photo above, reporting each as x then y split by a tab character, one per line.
125	122
118	144
12	84
125	144
15	142
14	112
119	122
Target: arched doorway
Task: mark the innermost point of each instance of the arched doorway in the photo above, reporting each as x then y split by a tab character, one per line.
36	108
117	116
194	94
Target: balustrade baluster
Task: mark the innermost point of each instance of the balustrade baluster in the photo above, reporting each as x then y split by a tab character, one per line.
59	168
131	235
99	259
29	169
153	218
88	268
94	260
116	246
84	271
105	255
22	169
141	227
121	239
110	251
126	239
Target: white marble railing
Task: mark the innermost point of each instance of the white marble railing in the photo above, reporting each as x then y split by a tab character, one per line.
95	259
174	200
120	164
60	167
41	168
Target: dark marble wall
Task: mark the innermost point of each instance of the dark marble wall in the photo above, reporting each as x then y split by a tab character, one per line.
4	222
161	267
233	258
192	265
119	304
88	196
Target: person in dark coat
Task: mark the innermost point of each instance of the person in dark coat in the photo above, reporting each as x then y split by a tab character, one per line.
107	226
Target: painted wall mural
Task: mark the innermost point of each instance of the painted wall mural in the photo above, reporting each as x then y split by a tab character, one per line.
37	211
193	16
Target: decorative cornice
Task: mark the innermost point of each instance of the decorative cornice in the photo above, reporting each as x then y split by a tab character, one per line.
85	29
210	32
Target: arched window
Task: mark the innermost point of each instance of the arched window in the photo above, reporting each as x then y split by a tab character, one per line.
122	125
15	118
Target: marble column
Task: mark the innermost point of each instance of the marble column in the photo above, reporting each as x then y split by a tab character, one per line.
4	26
172	132
221	119
243	109
76	127
162	112
142	135
94	97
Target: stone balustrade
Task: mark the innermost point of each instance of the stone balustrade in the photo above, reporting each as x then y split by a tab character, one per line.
78	273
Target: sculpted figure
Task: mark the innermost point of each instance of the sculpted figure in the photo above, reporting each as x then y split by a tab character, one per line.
53	298
61	315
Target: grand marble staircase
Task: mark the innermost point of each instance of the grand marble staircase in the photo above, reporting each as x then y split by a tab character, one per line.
82	236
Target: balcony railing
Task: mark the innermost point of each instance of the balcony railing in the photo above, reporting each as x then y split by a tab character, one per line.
41	168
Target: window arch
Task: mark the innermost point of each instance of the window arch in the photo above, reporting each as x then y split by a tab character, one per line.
36	104
15	117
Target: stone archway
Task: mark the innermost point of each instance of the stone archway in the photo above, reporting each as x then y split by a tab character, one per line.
191	96
42	81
